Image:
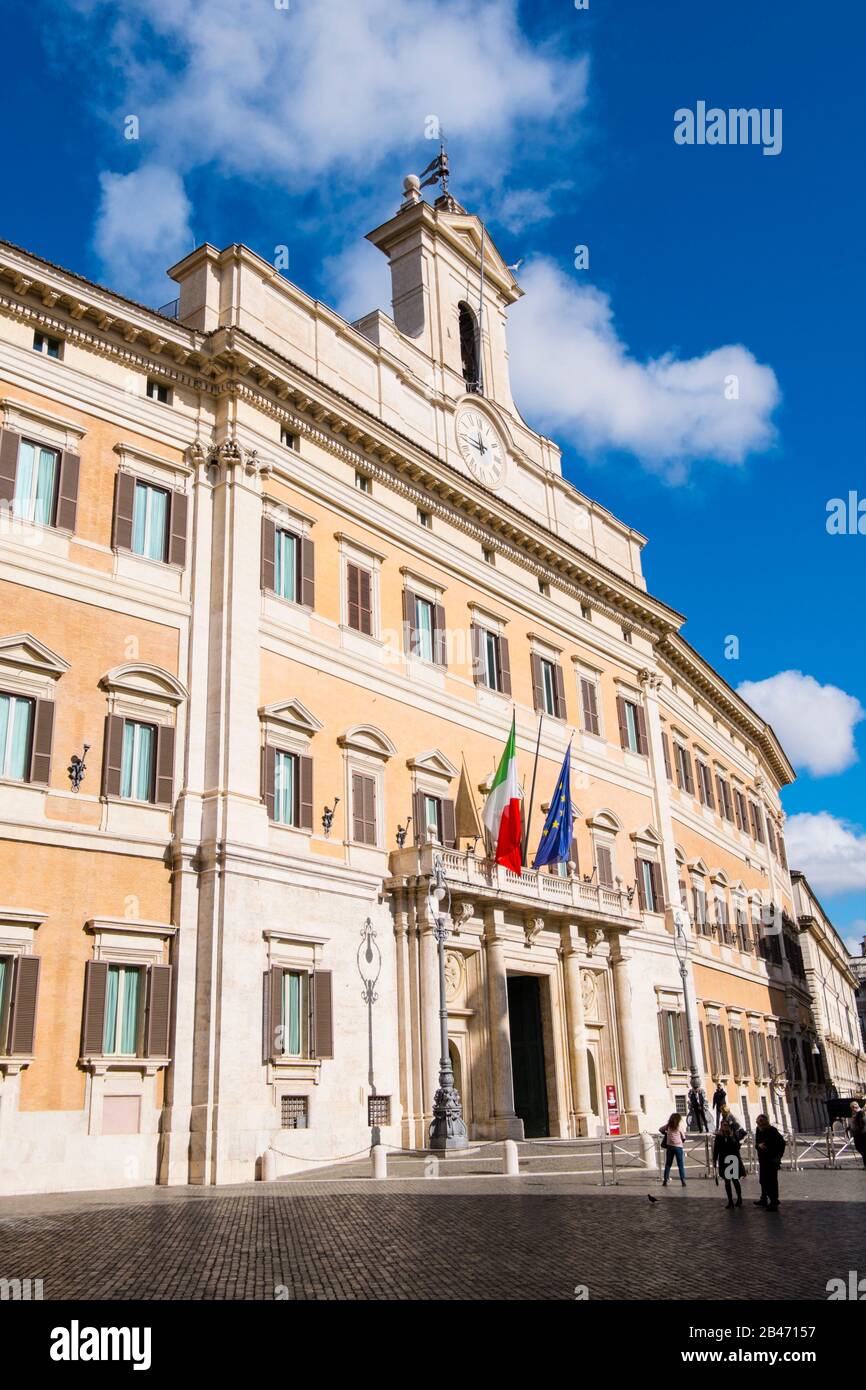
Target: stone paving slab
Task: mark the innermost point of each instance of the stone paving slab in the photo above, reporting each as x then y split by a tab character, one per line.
466	1238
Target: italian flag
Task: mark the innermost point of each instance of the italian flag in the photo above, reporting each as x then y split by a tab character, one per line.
502	809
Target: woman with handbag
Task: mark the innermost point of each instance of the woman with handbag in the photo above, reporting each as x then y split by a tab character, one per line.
673	1143
727	1161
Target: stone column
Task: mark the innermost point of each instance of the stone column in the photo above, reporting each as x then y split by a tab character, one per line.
628	1060
506	1124
581	1104
404	1020
429	1001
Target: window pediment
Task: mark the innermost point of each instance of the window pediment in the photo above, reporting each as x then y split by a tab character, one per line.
28	657
144	682
604	820
435	764
699	868
291	715
646	836
720	878
365	738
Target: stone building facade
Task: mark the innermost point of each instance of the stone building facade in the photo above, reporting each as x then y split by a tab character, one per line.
288	578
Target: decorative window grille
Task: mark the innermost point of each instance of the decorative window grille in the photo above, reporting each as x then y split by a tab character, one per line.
295	1112
378	1110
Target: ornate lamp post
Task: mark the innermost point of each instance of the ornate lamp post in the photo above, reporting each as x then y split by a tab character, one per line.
369	967
682	946
447	1130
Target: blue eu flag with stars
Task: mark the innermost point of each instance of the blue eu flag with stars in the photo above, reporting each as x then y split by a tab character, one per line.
554	846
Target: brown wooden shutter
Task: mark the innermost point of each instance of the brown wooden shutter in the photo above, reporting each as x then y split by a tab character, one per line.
308	572
322	1013
43	731
666	749
640	721
9	445
682	1051
272	1013
305	794
756	1058
163	793
476	641
67	491
269	555
687	772
667	1061
418	816
409	630
269	779
623	726
449	823
358	808
537	681
703	1038
560	691
365	601
641	893
656	876
177	529
93	1019
22	1005
124	507
720	792
604	860
370	809
590	706
353	602
158	1027
440	636
504	665
112	755
709	781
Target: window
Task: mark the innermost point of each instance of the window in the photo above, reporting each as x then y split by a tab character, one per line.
16	722
705	784
157	390
137	772
718	1050
632	725
757	827
492	672
589	702
742	930
286	556
424	628
363	483
425	520
288	439
294	1034
469	348
673	1040
649	885
36	483
491	666
286	788
544	588
431	810
683	764
378	1111
604	864
626	635
724	794
586	613
150	521
6	966
740	809
49	347
700	898
294	1112
548	686
739	1054
364	828
123	1000
488	555
359	587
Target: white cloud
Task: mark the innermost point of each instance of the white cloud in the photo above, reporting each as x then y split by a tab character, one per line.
334	90
358	281
814	722
830	852
143	228
573	375
855	933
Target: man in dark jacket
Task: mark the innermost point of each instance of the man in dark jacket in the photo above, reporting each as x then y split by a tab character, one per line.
720	1097
770	1146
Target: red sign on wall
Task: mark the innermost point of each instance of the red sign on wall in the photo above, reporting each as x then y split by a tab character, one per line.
612	1111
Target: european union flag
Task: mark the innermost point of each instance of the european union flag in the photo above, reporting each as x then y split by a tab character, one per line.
554	847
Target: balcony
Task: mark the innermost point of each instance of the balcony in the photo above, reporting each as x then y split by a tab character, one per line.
466	875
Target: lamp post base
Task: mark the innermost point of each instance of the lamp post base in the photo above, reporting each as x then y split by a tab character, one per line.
447	1130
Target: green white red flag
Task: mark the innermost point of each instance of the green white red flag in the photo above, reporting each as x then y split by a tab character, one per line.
502	809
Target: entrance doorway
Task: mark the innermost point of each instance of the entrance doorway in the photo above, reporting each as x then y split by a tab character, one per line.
527	1054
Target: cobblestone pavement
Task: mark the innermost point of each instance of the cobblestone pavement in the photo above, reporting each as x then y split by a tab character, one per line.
465	1238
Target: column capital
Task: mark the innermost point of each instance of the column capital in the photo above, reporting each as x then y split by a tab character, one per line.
650	681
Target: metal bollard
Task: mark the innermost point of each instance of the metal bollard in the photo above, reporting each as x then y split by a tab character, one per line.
379	1161
269	1165
510	1160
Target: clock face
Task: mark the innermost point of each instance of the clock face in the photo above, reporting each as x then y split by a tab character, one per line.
481	447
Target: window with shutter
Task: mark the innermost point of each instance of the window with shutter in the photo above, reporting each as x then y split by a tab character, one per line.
322	1013
589	705
16	731
18	1011
359	599
666	750
364	828
604	865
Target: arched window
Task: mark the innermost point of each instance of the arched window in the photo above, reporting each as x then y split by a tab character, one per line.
469	348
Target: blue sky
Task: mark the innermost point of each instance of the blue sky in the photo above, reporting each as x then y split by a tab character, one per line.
293	123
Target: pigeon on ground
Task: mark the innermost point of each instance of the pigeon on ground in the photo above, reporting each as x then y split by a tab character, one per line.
651	1198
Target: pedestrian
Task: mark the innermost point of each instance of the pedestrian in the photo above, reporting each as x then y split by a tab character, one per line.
697	1101
770	1147
857	1126
720	1096
673	1143
736	1127
726	1157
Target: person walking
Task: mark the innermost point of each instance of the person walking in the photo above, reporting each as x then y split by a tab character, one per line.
720	1097
673	1143
727	1161
697	1102
770	1147
857	1125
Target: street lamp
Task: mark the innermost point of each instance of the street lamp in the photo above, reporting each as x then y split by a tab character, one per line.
447	1130
681	950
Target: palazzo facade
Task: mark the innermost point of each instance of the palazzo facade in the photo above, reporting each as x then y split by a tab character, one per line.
271	587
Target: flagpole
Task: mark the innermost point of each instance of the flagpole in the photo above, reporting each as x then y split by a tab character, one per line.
532	788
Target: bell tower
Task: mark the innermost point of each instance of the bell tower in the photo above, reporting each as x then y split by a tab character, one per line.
450	288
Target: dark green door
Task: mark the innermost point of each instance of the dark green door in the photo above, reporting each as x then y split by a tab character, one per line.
527	1054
